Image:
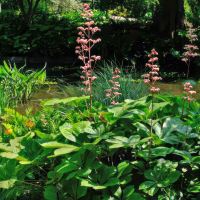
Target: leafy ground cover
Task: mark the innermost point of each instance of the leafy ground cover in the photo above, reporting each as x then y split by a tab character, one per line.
66	151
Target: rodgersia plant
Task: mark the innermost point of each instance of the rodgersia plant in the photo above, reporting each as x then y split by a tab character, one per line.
189	94
188	88
113	93
153	75
86	42
151	78
190	50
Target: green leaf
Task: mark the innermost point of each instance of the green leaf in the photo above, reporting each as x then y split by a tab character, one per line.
149	187
128	192
196	159
110	182
146	185
54	144
9	155
67	131
7	183
50	193
162	151
53	102
65	150
194	188
87	183
83	127
124	168
171	178
66	167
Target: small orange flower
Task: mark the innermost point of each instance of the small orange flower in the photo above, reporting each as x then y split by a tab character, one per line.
8	131
29	124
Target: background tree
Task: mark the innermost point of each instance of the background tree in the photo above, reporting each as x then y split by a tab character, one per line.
28	9
170	16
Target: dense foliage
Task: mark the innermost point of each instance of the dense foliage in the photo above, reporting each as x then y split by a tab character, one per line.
17	86
67	152
117	143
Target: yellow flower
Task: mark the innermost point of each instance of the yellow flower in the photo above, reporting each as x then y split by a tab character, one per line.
29	124
8	131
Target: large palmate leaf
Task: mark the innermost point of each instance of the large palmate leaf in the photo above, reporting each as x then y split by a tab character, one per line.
70	131
173	130
119	141
162	175
155	152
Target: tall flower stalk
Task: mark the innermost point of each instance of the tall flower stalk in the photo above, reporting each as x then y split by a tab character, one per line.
150	79
190	50
86	42
153	75
189	94
113	93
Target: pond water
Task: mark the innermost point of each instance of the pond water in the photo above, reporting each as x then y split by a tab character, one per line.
64	91
176	88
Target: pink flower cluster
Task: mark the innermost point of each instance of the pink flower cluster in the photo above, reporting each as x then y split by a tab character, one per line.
153	76
190	50
113	92
188	88
85	43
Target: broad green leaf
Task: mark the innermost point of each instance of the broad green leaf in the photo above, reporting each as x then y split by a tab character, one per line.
67	131
50	193
65	150
149	187
53	102
54	144
196	160
128	192
87	183
110	182
171	178
194	188
8	155
161	151
156	152
66	167
6	184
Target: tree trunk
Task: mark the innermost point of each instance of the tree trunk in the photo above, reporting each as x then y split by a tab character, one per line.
170	17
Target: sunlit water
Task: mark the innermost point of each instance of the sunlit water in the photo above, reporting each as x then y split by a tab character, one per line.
62	91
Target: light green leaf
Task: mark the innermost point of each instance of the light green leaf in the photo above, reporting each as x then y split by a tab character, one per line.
54	144
7	183
66	100
65	150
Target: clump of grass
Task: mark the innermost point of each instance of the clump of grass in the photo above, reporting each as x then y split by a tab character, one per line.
130	87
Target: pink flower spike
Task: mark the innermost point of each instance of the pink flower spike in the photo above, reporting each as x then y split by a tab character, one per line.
113	93
189	92
153	76
86	42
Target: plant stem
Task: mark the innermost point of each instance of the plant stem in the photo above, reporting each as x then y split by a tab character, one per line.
188	68
183	108
151	131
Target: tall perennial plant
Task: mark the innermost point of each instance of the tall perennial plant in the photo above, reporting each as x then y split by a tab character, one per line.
190	50
113	93
153	75
86	42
